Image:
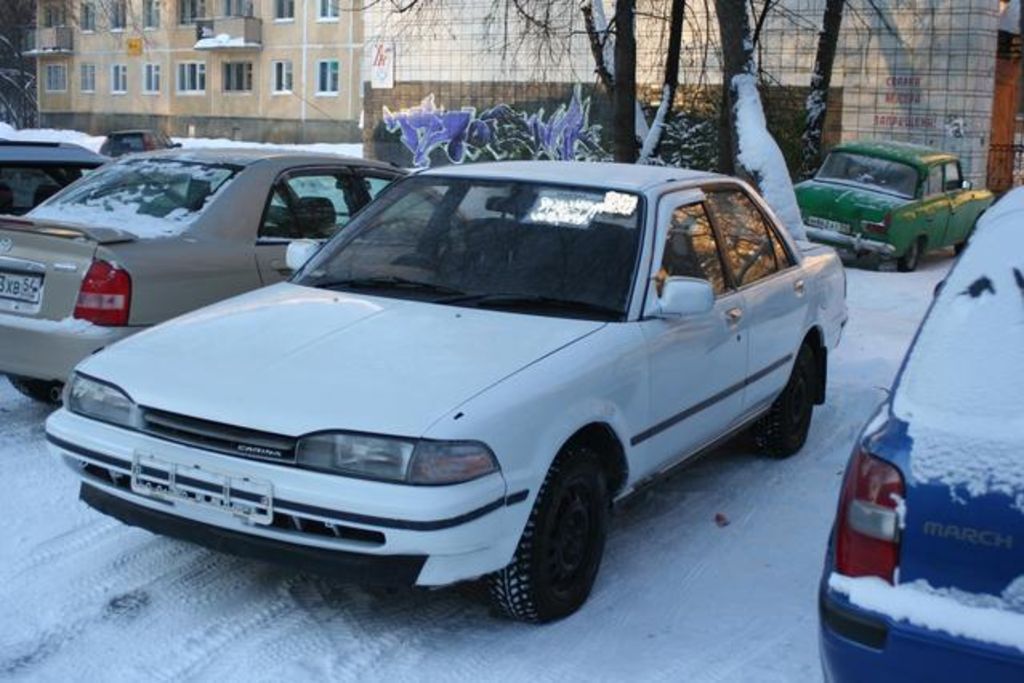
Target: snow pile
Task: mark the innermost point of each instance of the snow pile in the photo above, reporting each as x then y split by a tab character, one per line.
760	154
987	619
221	40
93	142
960	391
90	142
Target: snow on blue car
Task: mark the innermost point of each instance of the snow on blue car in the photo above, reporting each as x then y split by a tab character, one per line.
924	576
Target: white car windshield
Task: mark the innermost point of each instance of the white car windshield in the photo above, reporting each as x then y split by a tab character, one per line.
548	249
148	197
882	174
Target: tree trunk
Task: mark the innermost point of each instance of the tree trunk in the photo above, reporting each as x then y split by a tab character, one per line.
734	29
624	96
821	80
668	93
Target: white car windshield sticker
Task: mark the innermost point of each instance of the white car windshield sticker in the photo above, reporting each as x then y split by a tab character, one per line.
578	209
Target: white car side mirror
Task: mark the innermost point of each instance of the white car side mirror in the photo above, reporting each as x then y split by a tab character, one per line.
682	296
299	252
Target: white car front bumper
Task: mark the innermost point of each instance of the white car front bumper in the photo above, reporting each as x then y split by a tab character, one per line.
369	531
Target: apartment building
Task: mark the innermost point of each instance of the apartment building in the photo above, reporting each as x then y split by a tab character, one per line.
273	70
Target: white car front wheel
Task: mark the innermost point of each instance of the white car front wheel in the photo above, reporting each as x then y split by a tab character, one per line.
560	551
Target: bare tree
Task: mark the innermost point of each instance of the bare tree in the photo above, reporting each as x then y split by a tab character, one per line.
821	81
17	71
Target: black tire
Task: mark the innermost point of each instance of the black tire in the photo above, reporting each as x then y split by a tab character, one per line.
912	258
560	550
782	431
38	390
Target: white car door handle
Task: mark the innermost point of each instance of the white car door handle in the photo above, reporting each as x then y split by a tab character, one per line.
799	287
734	315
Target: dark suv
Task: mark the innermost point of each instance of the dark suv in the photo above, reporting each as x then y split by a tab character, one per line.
30	172
122	142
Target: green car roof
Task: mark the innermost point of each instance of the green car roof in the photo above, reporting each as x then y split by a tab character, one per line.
918	156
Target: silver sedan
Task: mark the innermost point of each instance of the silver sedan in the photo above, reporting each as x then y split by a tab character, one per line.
150	237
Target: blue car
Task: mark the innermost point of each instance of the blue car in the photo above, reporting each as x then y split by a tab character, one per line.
924	574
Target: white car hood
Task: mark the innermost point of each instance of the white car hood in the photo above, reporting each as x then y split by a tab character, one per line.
293	360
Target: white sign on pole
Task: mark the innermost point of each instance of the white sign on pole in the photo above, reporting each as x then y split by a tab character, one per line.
382	65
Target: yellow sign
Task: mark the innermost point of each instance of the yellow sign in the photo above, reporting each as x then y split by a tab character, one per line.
135	47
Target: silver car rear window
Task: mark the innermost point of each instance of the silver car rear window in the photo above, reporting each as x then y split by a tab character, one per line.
147	196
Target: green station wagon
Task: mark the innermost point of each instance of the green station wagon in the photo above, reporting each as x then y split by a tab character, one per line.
896	200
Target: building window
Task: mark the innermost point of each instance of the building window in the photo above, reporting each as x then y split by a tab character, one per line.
284	9
282	77
328	9
118	79
88	18
238	77
56	78
118	15
327	77
150	13
87	78
54	15
191	77
151	79
238	8
190	10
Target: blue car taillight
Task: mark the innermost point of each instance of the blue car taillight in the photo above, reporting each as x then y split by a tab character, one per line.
868	526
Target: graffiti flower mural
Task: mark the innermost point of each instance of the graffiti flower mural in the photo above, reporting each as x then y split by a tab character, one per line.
501	132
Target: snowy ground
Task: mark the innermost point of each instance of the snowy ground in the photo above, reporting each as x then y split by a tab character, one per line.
679	597
93	142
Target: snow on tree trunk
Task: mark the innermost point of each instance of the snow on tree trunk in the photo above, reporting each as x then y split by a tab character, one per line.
760	155
653	136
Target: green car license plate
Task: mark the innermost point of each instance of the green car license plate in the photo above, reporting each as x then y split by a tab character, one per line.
828	224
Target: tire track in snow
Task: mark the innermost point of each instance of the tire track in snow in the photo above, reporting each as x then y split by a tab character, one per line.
144	564
199	646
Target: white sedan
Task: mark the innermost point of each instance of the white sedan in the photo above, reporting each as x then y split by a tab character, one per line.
461	383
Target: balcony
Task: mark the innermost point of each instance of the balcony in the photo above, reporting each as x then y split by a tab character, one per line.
57	40
229	33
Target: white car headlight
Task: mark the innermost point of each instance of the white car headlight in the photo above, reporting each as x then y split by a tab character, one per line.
393	459
101	401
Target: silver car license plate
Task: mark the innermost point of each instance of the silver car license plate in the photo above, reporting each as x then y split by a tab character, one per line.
251	500
21	287
828	224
